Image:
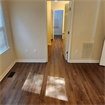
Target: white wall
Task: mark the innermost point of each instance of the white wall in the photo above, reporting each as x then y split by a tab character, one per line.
8	57
28	21
58	30
29	26
60	5
87	27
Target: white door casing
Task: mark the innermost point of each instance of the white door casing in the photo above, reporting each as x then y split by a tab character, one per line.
102	61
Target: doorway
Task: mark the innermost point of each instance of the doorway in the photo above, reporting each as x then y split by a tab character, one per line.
60	26
58	22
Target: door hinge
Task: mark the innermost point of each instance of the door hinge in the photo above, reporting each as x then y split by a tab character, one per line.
69	9
67	52
68	32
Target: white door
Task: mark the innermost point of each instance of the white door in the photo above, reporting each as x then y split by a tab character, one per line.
66	30
102	61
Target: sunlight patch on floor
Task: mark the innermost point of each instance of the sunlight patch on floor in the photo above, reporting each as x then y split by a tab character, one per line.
56	88
33	83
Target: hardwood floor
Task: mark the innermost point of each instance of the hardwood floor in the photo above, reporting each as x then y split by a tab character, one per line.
82	83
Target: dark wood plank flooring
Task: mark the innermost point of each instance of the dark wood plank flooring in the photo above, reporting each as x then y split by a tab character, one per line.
84	83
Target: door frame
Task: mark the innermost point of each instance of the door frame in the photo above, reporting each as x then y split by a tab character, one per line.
102	60
70	33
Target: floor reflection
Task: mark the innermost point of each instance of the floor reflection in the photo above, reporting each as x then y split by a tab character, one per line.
56	88
33	83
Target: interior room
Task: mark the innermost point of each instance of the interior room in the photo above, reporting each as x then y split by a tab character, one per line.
52	52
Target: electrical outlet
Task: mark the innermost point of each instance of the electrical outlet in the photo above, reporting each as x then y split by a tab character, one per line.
35	51
26	50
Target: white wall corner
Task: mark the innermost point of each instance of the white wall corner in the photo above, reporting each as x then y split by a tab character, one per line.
32	60
7	70
83	61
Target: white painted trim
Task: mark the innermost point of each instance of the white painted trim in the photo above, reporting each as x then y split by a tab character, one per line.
4	50
46	30
102	60
7	70
32	60
49	43
71	25
5	28
83	61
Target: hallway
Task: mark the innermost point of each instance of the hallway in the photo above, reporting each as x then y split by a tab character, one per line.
34	83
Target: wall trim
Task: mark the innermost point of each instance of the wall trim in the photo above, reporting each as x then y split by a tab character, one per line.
32	60
83	61
7	70
49	43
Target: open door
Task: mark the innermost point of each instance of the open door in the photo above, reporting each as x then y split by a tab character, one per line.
66	30
102	61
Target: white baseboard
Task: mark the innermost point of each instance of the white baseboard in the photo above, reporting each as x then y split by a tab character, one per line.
84	61
49	43
32	60
7	70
